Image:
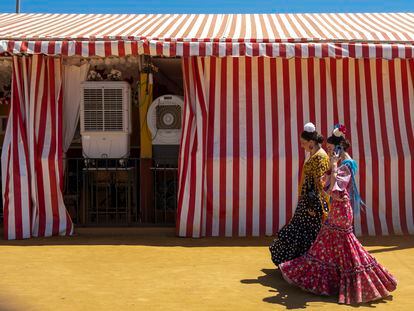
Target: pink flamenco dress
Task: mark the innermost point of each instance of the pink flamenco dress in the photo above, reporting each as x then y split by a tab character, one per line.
337	263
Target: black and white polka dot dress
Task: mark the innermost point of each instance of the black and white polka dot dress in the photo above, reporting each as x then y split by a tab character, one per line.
296	237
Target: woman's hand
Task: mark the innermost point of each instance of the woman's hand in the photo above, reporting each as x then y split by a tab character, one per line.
334	161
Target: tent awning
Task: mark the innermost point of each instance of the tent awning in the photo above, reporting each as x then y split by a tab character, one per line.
385	35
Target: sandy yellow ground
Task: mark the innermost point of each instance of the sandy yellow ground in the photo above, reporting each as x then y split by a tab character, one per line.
151	269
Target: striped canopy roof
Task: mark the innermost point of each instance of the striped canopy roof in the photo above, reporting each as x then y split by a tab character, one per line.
221	34
388	27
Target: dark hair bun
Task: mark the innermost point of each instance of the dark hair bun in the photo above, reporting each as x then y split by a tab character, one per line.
315	136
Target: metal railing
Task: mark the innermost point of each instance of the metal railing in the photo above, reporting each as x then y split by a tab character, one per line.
165	193
107	192
102	191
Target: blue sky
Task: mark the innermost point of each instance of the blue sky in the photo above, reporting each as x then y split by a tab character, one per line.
207	6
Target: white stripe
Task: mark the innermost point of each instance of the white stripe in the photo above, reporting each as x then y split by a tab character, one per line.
193	31
216	151
368	157
243	149
404	139
256	147
158	26
281	133
189	19
380	150
293	135
408	176
229	149
354	141
269	148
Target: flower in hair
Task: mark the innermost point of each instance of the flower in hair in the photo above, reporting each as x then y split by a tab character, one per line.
309	127
339	130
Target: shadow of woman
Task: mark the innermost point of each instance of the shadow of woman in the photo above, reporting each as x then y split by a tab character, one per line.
293	297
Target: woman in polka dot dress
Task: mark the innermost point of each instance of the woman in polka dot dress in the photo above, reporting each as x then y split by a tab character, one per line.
295	238
337	264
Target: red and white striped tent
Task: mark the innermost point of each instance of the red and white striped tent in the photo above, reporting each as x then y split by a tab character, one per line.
251	82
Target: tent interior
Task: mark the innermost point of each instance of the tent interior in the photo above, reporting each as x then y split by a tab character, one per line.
147	193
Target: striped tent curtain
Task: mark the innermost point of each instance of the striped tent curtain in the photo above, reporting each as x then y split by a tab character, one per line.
32	152
240	157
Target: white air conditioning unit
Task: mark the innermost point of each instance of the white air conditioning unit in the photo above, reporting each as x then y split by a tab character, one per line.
164	120
105	119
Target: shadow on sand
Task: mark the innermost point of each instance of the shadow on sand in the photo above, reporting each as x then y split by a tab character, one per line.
292	297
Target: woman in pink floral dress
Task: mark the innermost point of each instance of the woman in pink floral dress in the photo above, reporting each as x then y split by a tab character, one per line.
337	263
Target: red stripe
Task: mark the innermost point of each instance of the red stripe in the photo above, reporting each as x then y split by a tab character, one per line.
288	139
10	46
186	49
200	96
146	47
269	50
263	143
385	145
41	99
242	49
17	119
361	148
65	48
78	48
409	131
275	143
249	147
299	110
37	47
158	48
173	49
311	89
23	47
229	49
398	140
121	48
25	144
325	51
51	48
134	48
255	49
210	147
216	48
373	146
236	146
53	148
6	199
324	105
108	48
91	48
223	146
333	73
186	135
69	223
193	163
346	98
192	199
202	49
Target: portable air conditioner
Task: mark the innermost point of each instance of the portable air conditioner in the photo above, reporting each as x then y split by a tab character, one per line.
164	120
105	119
